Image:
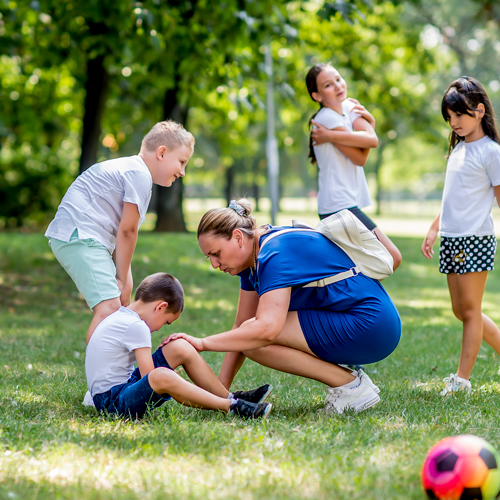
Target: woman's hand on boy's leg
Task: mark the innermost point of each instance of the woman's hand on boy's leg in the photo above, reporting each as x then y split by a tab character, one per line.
194	341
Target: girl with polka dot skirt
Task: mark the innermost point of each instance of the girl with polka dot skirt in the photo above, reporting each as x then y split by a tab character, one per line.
465	222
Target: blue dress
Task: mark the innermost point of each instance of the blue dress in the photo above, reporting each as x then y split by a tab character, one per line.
353	321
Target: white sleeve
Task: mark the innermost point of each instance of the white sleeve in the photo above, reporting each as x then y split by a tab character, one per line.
329	118
347	108
137	189
137	335
493	165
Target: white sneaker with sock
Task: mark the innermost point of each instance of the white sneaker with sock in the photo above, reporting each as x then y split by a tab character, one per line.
455	384
368	379
358	395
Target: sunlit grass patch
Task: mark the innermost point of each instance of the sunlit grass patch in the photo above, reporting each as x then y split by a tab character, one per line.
53	447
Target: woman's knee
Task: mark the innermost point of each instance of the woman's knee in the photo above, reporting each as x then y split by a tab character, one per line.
396	257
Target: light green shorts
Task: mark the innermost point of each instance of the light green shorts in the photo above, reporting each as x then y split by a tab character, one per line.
89	265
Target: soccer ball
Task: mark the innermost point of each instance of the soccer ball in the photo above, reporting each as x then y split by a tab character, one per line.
461	468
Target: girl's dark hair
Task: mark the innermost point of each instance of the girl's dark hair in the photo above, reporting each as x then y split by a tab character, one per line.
164	287
463	97
311	77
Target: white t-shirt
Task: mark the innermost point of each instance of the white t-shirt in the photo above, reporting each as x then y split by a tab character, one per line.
341	183
472	171
110	356
93	204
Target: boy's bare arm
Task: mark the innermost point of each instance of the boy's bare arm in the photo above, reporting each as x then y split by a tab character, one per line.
125	246
144	360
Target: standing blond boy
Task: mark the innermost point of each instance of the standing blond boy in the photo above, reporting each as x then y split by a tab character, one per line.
94	232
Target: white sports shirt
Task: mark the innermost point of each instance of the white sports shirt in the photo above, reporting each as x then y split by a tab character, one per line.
341	183
472	171
93	204
110	357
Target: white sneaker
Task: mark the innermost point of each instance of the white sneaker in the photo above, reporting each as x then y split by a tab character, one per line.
368	379
87	400
358	398
455	384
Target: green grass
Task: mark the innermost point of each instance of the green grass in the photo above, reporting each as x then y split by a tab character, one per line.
51	447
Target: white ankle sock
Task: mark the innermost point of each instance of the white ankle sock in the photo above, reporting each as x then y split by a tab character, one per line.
353	383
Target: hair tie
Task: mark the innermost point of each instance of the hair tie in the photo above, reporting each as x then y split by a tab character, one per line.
237	208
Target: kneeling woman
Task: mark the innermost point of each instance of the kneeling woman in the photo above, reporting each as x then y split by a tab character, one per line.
306	331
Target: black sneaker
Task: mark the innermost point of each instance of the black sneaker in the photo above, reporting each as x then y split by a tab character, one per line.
245	409
258	395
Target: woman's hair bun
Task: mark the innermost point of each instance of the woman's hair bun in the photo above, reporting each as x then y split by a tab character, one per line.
245	203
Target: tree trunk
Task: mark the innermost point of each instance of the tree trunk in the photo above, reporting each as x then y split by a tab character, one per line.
96	88
256	191
229	184
169	200
378	164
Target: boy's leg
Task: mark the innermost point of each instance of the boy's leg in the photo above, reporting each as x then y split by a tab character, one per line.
181	352
102	311
165	381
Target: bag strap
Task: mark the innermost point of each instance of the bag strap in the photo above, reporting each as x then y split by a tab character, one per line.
283	231
354	271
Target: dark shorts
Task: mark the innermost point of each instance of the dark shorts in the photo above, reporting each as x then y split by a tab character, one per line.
467	254
366	333
359	214
133	398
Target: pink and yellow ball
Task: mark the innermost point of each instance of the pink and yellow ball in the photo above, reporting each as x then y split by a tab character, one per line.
462	468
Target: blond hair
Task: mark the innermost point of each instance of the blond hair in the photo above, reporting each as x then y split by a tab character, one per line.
223	221
169	134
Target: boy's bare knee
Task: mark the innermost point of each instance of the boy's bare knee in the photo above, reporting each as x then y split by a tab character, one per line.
247	321
179	352
160	375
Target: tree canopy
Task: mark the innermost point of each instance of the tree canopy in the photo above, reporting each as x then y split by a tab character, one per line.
84	81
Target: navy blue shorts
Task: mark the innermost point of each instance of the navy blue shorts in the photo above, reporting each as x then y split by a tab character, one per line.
366	333
359	214
133	398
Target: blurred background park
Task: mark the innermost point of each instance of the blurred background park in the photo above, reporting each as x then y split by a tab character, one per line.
83	81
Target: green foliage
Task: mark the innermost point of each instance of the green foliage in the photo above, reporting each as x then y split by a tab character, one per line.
397	57
52	447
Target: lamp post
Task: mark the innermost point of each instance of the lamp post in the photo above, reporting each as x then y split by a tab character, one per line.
273	165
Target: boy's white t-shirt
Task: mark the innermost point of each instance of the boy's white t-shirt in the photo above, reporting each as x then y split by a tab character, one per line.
93	204
341	183
110	356
472	171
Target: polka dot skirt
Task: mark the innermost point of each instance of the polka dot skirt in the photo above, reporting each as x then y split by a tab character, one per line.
467	254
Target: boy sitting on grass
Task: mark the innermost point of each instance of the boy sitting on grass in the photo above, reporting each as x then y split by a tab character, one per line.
125	337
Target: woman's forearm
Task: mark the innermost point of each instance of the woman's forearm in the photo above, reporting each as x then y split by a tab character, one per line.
251	335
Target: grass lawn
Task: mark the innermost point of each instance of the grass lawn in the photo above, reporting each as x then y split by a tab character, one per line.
52	447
